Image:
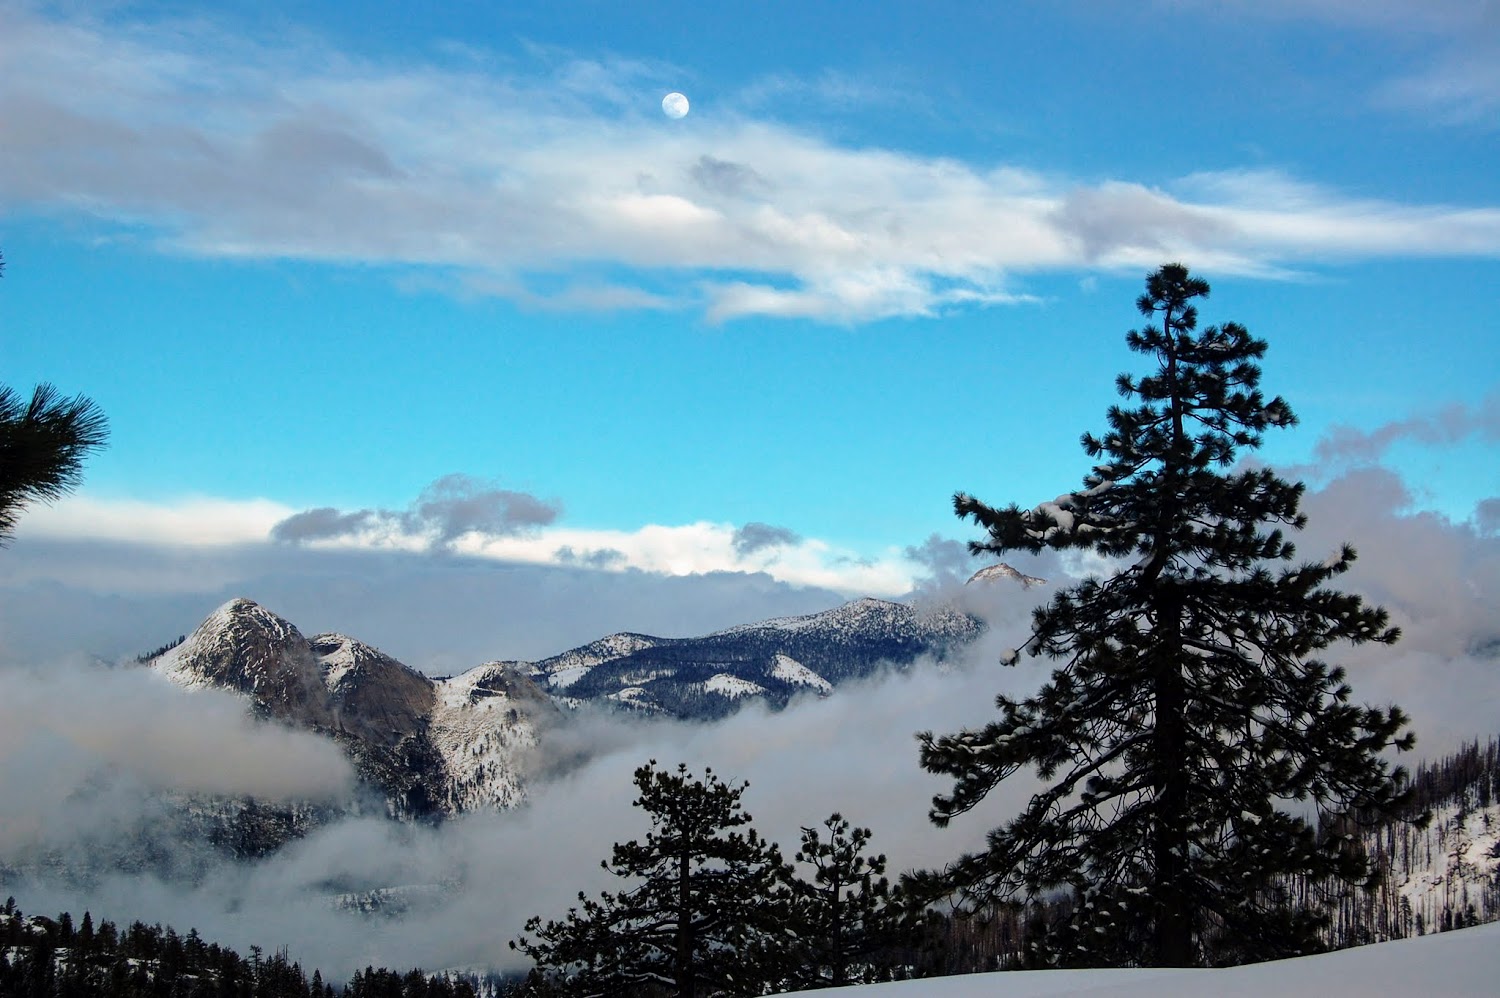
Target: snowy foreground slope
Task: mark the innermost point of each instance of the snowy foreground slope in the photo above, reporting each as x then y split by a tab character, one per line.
1464	962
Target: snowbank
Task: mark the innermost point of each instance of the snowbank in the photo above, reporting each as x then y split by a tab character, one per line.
1464	962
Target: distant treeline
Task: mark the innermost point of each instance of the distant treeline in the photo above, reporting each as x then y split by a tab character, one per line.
44	957
148	656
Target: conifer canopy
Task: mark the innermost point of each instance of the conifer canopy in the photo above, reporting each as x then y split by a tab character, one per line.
1191	742
43	441
705	912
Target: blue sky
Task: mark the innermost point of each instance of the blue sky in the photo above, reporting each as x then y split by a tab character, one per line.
443	278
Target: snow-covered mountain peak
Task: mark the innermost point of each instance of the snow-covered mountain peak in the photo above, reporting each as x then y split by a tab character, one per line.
780	658
859	613
869	617
484	725
1001	571
241	645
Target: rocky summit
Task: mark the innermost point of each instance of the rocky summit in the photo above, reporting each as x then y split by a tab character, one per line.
431	747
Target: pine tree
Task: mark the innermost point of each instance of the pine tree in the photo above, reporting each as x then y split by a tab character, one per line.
706	913
849	919
43	441
1188	707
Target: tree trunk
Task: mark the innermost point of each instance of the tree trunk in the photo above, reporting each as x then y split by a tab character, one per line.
686	982
1173	932
1173	942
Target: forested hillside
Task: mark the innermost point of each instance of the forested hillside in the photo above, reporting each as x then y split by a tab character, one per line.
1443	876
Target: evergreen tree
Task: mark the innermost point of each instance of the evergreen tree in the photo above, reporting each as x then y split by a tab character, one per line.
1189	706
706	913
43	441
849	920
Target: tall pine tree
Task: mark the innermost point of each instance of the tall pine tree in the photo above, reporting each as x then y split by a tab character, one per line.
707	912
1189	732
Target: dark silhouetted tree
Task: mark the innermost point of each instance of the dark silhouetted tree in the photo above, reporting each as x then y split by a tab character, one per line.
1189	710
850	922
707	911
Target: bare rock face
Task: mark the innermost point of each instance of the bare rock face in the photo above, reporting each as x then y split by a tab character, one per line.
430	748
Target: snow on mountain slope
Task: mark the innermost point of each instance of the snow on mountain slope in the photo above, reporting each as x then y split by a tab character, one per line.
732	687
795	672
340	656
241	645
869	616
484	726
1447	965
561	671
1000	571
1452	868
781	658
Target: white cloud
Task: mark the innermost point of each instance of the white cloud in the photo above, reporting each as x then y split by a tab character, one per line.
237	148
666	549
196	521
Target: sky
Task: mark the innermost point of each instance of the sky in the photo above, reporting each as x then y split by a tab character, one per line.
385	279
423	323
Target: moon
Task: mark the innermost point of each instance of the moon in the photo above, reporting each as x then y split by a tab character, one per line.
674	105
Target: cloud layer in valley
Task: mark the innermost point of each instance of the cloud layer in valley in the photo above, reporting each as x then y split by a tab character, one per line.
82	746
1440	580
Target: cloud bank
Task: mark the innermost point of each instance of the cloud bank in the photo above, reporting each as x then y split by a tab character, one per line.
854	752
498	180
460	516
81	746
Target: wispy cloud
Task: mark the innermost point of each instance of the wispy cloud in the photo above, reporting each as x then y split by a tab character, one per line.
1463	87
1457	78
194	522
1454	422
487	178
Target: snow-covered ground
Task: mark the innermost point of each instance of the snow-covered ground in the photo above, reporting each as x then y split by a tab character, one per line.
1460	963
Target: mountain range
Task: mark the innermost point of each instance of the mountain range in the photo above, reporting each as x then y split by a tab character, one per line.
439	746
